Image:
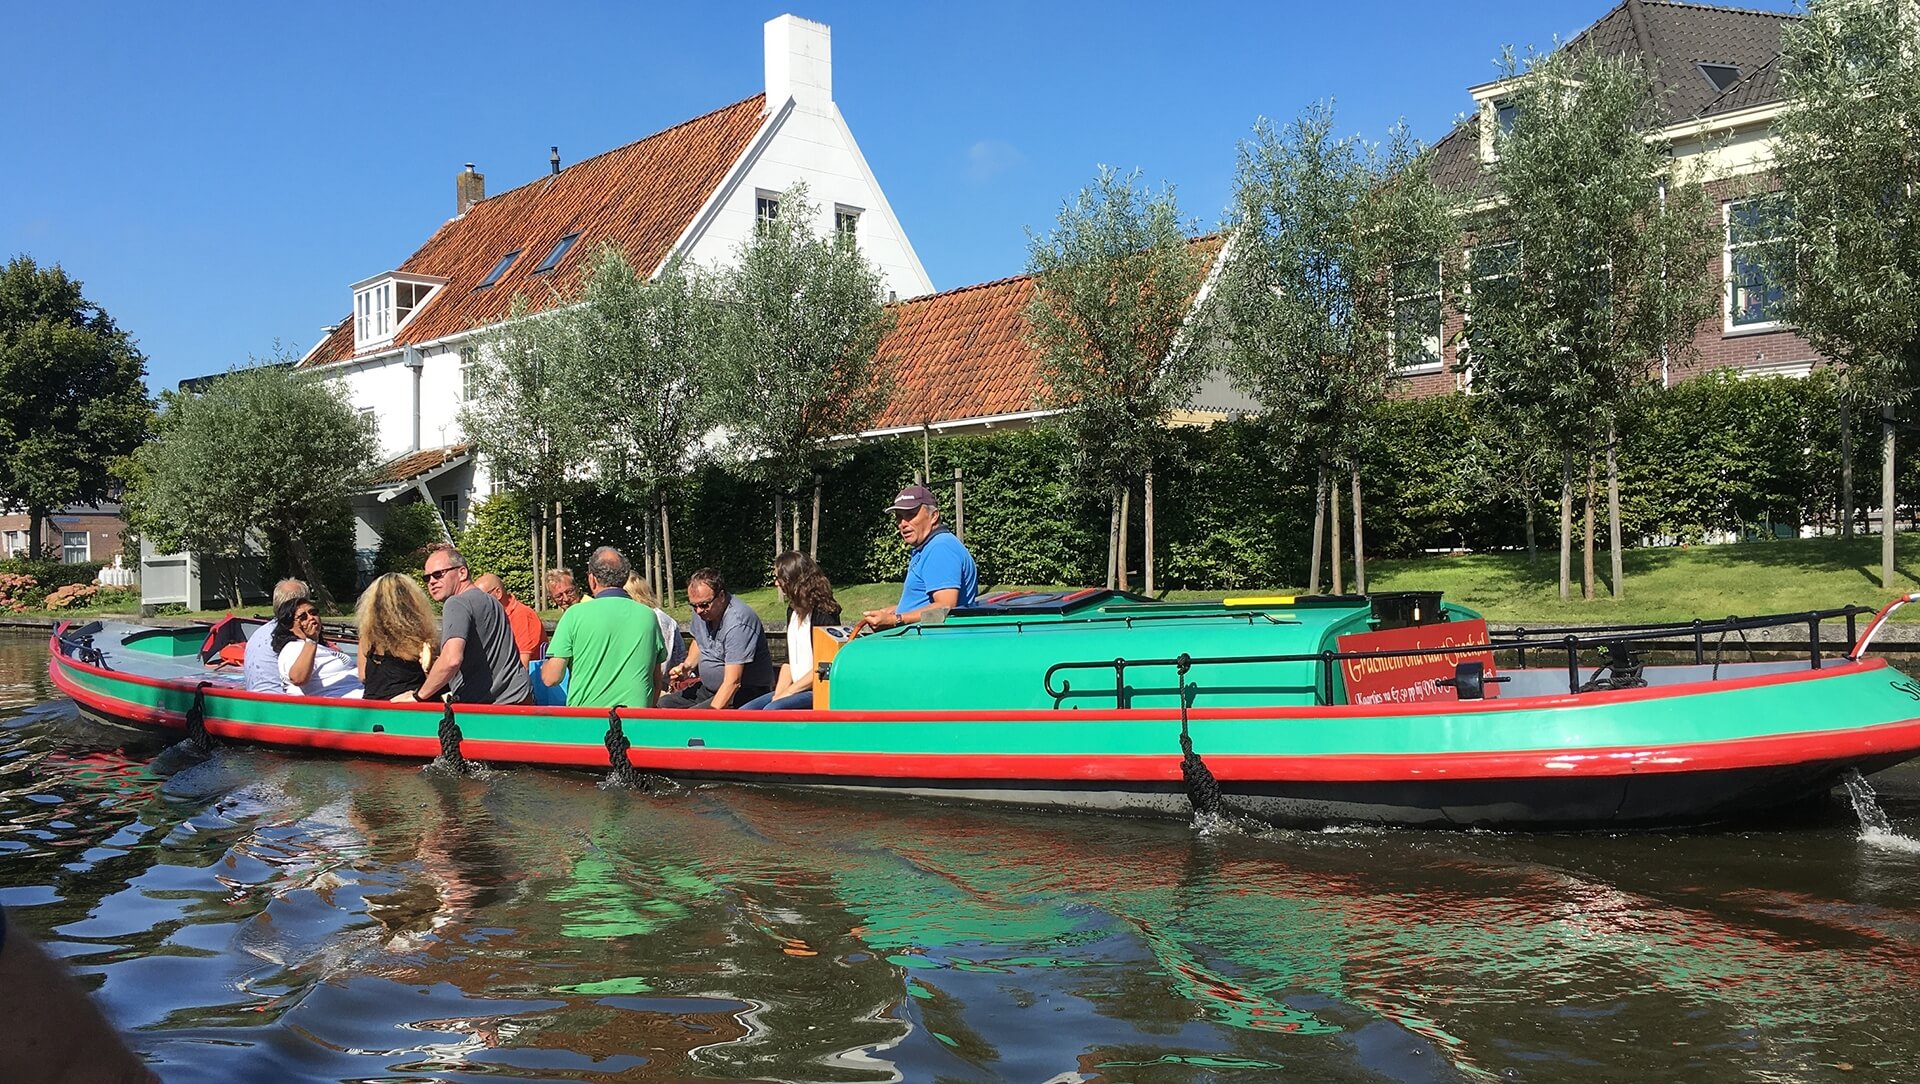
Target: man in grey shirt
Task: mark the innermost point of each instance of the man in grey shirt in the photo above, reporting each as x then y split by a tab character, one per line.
478	660
729	649
259	665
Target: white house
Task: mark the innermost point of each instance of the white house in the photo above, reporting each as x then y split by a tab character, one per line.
695	189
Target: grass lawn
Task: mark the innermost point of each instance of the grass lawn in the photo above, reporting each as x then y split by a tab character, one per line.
1669	584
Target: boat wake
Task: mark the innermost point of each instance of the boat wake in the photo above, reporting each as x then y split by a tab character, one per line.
1876	828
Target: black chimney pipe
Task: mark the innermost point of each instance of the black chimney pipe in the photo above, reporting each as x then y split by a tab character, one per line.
554	160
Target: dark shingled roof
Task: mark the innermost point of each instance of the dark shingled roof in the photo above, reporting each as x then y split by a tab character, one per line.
1673	40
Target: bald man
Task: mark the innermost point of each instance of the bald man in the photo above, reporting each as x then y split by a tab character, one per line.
528	632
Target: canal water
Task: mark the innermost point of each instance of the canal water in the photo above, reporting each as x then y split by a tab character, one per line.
259	916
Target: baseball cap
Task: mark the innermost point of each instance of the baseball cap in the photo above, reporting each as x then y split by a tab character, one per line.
912	499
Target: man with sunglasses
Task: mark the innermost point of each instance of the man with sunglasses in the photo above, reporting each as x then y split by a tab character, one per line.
478	660
729	649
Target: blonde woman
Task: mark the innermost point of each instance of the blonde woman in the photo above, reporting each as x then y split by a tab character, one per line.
397	636
638	591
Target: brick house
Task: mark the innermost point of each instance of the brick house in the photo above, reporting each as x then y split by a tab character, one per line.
74	534
1717	71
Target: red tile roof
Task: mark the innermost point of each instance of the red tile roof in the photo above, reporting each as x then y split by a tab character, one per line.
640	197
414	464
962	354
965	353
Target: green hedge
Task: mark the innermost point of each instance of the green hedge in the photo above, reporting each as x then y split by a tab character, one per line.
53	575
1715	454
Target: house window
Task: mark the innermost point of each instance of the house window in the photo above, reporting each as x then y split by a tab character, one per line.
1504	114
1755	293
499	269
1416	315
408	296
450	512
469	375
75	547
15	544
766	209
382	304
559	252
1493	270
846	222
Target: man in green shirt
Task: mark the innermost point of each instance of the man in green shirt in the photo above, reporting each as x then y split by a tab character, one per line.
608	646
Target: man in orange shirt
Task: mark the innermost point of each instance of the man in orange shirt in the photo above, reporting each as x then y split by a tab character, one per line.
528	632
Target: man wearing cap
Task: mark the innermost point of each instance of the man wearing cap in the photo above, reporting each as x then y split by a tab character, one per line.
940	573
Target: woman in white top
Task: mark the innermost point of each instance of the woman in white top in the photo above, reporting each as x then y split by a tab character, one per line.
810	602
638	591
308	664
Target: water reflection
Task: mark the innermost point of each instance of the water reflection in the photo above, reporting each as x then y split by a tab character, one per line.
258	916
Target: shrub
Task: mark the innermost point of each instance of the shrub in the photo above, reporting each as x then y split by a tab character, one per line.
51	574
410	529
496	541
18	592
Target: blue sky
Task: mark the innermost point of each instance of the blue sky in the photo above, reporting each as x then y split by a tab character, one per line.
219	174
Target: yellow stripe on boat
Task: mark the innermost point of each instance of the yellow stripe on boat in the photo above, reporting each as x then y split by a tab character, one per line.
1259	600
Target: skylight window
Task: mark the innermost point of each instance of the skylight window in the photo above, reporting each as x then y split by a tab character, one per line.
1721	76
560	248
500	268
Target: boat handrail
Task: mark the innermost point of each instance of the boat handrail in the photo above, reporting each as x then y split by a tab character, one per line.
1570	639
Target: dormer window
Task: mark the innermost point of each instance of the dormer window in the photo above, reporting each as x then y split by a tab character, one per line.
1721	76
384	303
1504	114
559	252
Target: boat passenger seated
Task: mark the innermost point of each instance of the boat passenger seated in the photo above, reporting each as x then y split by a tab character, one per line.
810	602
260	664
397	636
308	664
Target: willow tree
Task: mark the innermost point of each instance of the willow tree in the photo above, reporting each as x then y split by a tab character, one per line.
1332	286
1849	209
519	409
644	351
1114	283
798	361
1597	260
303	446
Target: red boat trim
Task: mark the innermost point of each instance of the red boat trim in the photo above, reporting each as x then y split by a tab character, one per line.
1339	711
1744	753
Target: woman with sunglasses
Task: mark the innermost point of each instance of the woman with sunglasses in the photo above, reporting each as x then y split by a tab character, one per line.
308	664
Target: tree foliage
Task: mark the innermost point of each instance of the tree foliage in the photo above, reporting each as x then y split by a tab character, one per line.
1848	157
644	350
799	333
1324	230
73	396
266	448
523	416
1115	280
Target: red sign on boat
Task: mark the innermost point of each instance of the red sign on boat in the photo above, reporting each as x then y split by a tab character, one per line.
1412	679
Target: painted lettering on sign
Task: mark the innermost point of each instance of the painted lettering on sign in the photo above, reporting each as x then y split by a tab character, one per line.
1413	679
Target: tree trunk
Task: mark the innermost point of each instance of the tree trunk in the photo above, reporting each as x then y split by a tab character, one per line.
1613	517
303	564
1147	524
666	553
1886	498
1333	533
533	558
1586	541
1846	472
540	562
559	536
1533	540
1319	526
779	523
649	568
959	506
36	526
796	523
1126	513
1566	524
1359	541
1113	538
813	540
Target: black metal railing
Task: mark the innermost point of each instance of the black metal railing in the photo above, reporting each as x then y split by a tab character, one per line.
1617	640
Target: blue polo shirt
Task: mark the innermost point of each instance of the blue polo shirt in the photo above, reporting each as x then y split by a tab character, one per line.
937	564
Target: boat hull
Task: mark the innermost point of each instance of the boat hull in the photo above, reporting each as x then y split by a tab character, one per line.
1641	757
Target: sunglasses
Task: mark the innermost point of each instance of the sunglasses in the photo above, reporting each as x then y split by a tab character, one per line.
703	605
434	577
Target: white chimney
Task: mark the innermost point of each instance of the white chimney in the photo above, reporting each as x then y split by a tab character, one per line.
799	64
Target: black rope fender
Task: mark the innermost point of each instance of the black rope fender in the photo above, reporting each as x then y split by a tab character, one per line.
197	720
1203	790
621	773
450	738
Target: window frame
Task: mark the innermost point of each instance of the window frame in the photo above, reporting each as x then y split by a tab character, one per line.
846	221
1729	324
1437	296
560	249
766	209
500	268
67	547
